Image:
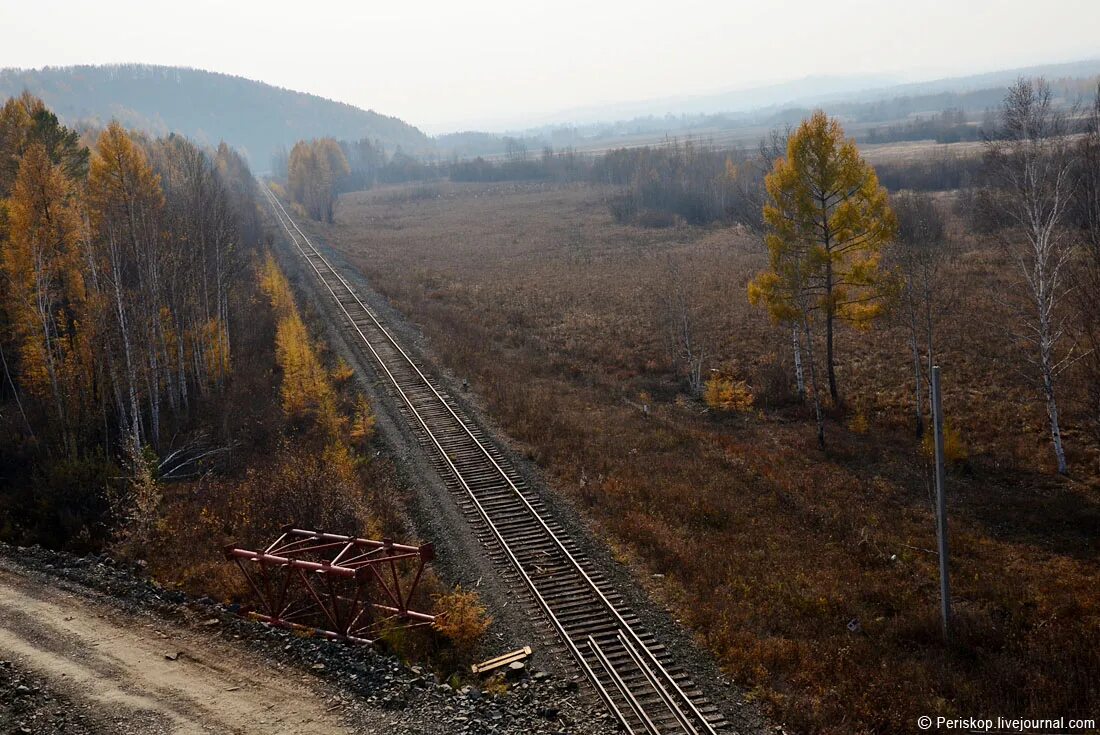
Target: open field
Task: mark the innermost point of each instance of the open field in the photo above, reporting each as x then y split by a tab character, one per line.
766	547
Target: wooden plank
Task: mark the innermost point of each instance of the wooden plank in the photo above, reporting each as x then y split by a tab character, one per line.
502	660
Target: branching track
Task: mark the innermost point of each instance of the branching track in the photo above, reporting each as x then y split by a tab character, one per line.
631	672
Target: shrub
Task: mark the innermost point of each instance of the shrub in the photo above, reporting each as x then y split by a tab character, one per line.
342	373
462	620
362	425
726	394
954	448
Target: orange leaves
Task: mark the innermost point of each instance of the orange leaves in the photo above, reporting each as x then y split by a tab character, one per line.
462	619
313	172
305	390
362	425
215	349
309	392
45	296
828	220
121	183
275	286
726	394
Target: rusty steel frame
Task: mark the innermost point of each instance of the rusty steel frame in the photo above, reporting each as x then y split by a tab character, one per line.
329	584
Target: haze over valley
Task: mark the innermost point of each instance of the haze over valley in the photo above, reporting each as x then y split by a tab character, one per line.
593	368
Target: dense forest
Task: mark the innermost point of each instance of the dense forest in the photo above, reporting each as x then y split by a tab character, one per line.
121	258
143	327
255	118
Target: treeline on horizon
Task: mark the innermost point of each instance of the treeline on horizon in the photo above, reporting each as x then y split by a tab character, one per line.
691	181
903	117
660	185
120	258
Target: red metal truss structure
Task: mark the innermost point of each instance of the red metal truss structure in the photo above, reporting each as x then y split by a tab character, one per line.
341	587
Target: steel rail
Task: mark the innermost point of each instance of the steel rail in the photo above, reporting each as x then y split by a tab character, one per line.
631	639
562	633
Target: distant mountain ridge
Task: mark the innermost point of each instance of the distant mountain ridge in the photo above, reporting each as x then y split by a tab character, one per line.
254	117
803	92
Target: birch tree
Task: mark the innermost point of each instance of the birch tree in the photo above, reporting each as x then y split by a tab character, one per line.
1087	282
125	200
785	291
45	299
687	319
922	254
314	173
1032	164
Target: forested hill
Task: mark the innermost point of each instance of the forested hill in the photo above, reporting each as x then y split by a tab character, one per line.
208	107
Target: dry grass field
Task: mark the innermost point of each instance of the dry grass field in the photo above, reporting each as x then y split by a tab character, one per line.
765	546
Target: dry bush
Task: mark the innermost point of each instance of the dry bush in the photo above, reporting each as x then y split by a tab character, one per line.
342	373
954	448
462	620
362	423
727	394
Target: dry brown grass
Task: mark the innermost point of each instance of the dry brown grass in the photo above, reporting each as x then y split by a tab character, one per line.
768	546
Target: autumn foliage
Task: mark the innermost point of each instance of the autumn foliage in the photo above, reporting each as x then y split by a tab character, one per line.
724	393
314	171
117	258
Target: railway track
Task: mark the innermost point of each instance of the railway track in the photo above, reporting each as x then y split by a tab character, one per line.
628	668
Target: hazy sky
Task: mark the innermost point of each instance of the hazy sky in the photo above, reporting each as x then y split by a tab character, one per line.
489	63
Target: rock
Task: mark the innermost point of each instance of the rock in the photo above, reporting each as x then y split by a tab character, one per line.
394	702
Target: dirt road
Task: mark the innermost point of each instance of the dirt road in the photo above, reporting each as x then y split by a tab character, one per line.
131	675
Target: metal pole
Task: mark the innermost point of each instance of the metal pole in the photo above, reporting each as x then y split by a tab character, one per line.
941	500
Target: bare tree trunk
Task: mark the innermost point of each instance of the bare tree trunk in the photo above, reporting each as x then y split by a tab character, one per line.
45	308
800	379
14	390
131	375
929	327
818	415
918	391
830	317
1052	412
181	358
